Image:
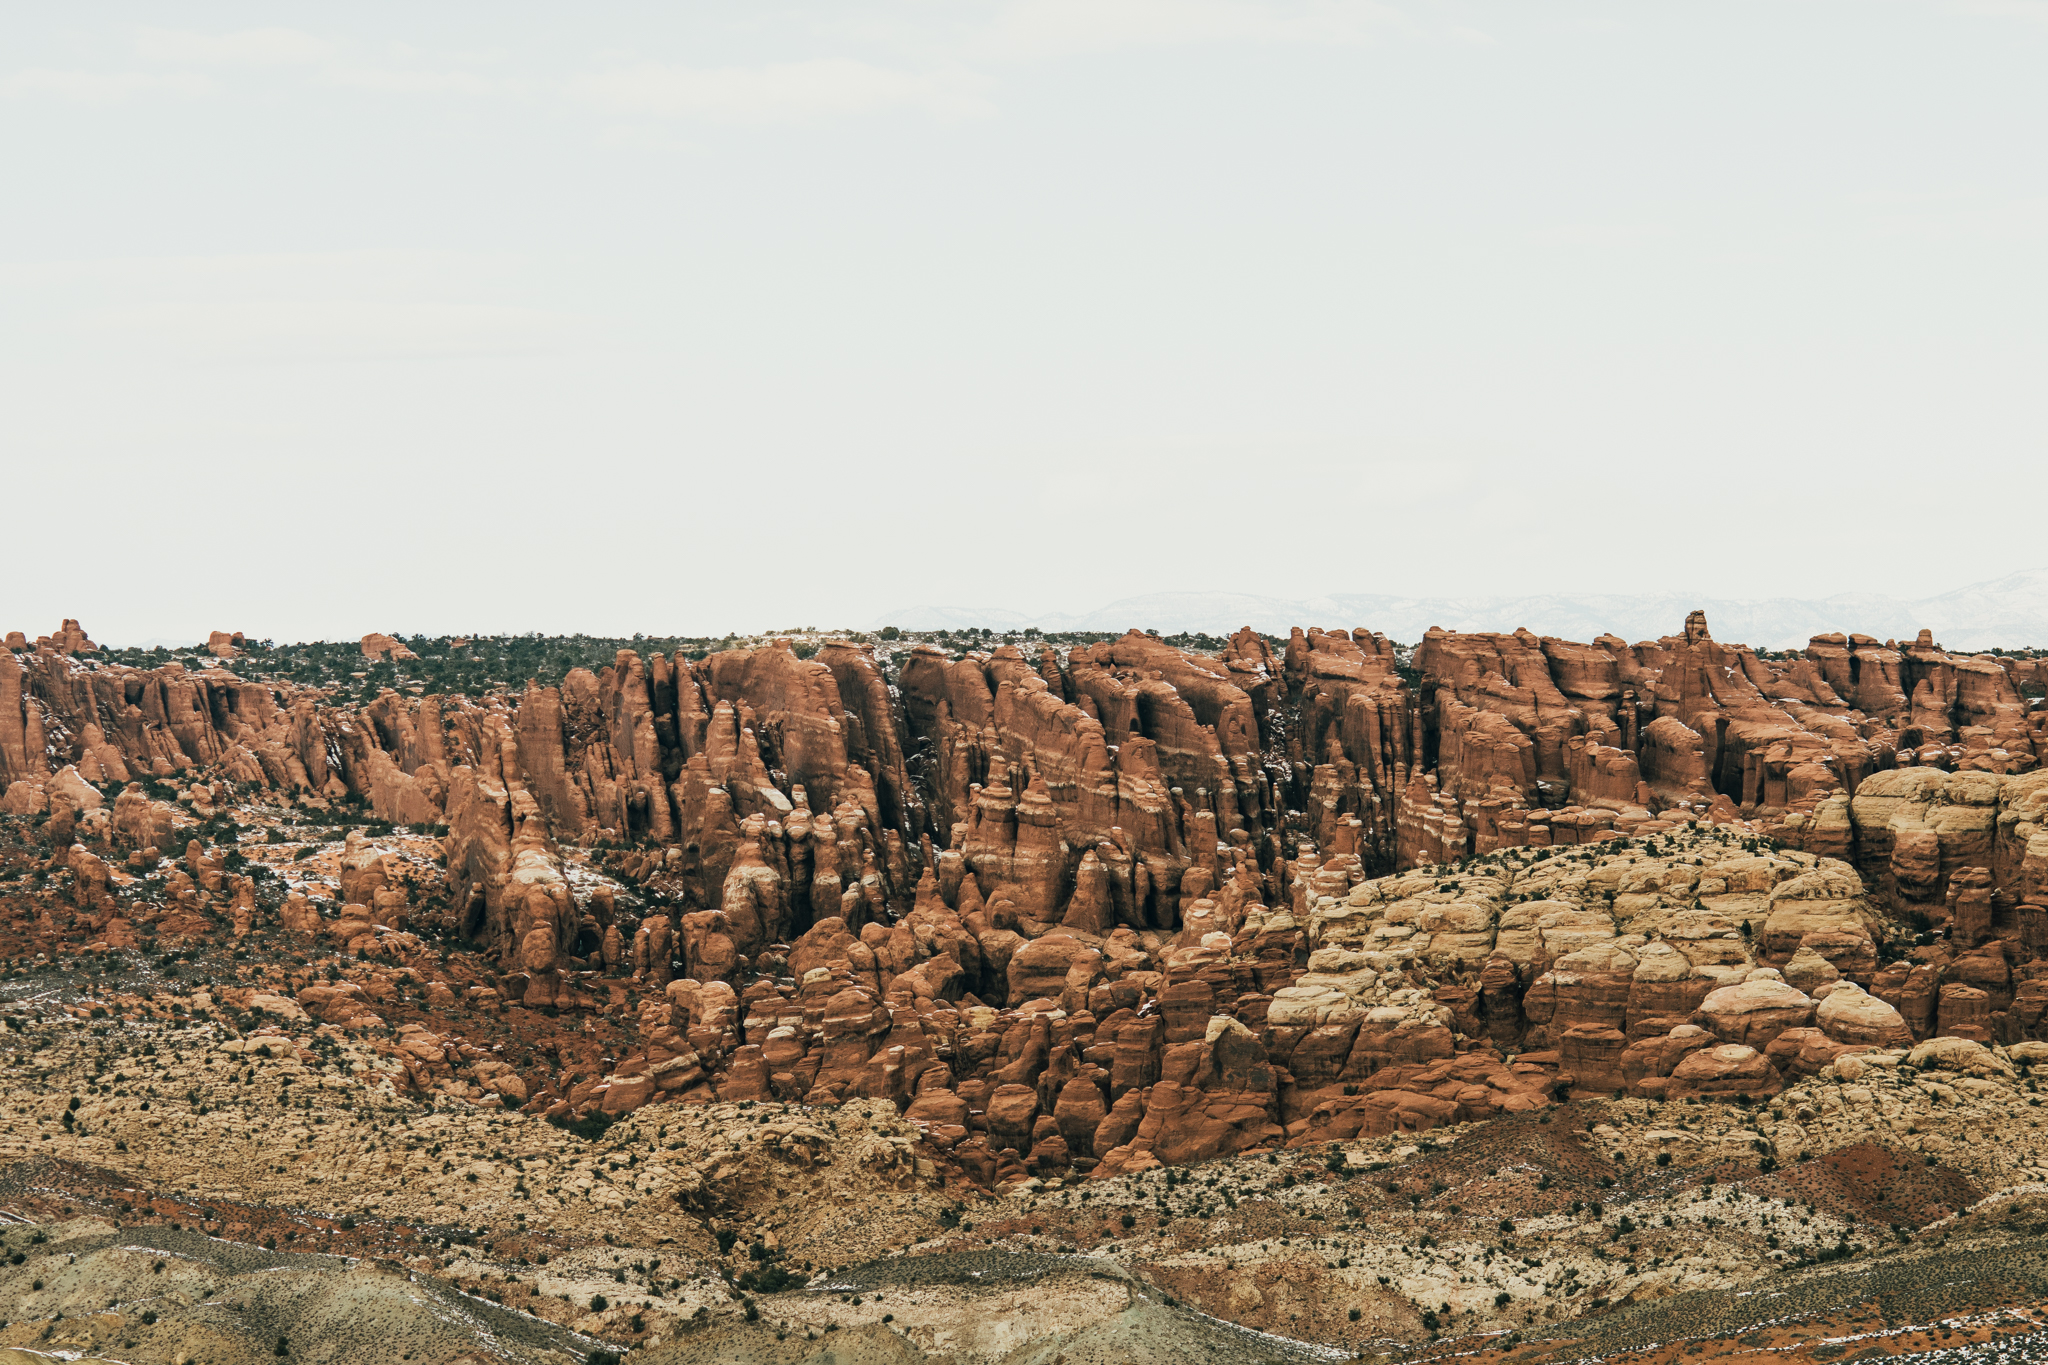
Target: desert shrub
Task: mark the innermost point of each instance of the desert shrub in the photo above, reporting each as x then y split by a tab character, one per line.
590	1127
769	1279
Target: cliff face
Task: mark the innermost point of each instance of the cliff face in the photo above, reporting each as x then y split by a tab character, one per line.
1161	761
1127	903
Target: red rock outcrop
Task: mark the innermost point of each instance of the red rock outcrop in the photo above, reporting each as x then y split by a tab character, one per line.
1134	904
380	646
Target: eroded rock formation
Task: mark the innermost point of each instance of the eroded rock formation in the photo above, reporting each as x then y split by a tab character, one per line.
1128	903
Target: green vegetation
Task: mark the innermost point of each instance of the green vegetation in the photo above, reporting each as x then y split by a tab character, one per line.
478	665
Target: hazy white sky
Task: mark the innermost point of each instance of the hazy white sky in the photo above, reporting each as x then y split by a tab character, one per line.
317	319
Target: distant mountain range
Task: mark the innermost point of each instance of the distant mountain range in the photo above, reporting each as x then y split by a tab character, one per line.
2005	612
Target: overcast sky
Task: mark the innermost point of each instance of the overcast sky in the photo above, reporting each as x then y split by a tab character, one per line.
318	319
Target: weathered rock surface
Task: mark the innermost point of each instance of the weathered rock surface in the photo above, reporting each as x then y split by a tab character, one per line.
1096	865
1078	916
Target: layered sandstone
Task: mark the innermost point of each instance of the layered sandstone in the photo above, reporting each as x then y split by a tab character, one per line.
1131	903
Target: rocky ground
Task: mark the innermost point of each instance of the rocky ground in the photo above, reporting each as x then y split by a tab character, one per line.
854	1001
286	1142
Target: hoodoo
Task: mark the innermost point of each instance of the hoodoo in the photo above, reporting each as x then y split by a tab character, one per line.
1358	992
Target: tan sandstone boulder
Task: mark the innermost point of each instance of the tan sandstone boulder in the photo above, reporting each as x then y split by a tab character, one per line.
1849	1015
